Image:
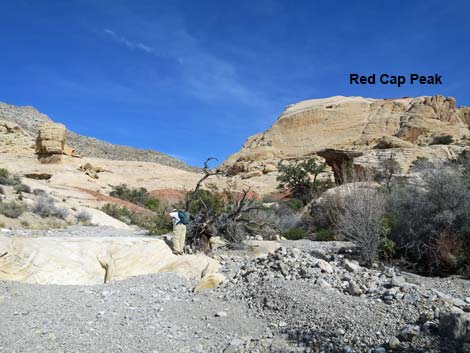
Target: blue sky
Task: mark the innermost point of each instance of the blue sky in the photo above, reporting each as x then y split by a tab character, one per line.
196	78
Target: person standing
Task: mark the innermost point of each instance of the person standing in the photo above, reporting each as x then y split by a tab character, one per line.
180	220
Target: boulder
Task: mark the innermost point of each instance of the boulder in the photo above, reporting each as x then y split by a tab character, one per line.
51	139
92	260
454	325
216	242
269	168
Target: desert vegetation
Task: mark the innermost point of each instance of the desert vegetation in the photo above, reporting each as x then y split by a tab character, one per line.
422	222
153	215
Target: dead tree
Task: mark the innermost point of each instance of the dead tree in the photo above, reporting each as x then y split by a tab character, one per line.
230	224
207	173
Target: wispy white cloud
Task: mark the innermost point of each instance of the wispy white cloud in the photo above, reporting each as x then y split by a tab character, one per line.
130	44
203	73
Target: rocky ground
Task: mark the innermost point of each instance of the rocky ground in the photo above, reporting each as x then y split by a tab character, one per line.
305	297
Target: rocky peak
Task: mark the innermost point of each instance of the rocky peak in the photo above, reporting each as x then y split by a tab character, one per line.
407	125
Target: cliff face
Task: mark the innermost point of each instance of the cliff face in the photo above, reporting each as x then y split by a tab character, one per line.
411	127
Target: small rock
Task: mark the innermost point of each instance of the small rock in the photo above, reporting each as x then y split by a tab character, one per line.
394	343
458	302
379	350
322	283
221	314
354	289
325	266
409	332
352	266
397	281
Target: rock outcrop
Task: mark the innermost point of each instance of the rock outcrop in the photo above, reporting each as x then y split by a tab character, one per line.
92	260
30	120
51	139
410	127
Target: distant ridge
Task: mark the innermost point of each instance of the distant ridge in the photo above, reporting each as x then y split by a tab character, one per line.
30	119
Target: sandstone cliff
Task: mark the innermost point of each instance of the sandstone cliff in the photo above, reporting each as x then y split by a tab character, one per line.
410	127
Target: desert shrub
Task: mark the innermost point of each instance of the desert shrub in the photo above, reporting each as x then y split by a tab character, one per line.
389	167
420	164
205	200
45	207
4	176
442	140
39	192
83	217
295	204
155	224
7	179
135	195
24	223
19	188
152	204
295	234
432	220
325	235
357	217
300	178
11	209
121	213
152	222
387	247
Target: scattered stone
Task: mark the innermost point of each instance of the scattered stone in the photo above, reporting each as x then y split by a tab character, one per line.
354	289
324	266
394	343
352	266
397	281
409	332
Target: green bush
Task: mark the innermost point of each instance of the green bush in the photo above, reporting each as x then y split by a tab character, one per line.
300	178
7	179
295	204
135	195
295	234
11	209
431	224
153	204
121	213
4	173
325	235
205	200
442	140
154	223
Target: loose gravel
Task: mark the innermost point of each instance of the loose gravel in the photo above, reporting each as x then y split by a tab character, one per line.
306	297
